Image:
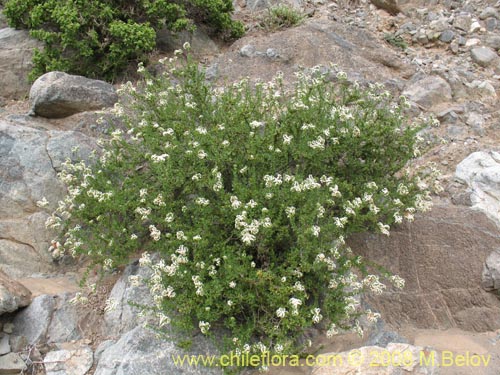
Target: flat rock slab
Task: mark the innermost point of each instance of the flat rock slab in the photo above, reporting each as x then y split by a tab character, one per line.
69	362
57	94
12	363
441	256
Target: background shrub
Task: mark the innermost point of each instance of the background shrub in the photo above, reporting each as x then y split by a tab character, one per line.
247	194
100	38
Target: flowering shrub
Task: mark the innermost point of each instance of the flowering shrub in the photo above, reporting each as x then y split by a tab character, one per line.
245	196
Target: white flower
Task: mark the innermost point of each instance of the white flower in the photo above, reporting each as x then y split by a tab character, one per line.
372	317
295	302
229	303
159	158
316	315
154	232
202	201
204	327
232	285
256	124
42	203
202	154
332	331
186	46
181	236
315	230
133	236
169	217
287	139
290	211
235	203
111	304
247	237
384	228
281	312
397	281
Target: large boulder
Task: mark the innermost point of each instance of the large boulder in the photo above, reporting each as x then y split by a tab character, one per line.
57	94
428	91
480	171
12	294
29	162
15	62
33	322
141	352
441	256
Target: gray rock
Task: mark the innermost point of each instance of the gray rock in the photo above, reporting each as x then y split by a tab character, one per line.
125	316
33	322
442	265
390	6
140	352
18	343
69	362
491	24
429	91
483	56
493	41
447	36
481	172
12	294
15	62
248	50
12	363
8	328
272	53
64	322
29	162
488	12
491	271
476	122
462	22
4	345
57	94
101	348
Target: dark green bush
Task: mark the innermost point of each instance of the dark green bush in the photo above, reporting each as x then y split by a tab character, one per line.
99	38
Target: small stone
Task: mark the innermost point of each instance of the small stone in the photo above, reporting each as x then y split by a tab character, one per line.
488	12
462	22
447	36
475	27
472	42
271	53
454	47
493	41
483	56
248	50
8	328
491	24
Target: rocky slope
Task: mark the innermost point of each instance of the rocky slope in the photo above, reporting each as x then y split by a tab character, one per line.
443	55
